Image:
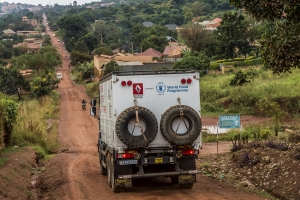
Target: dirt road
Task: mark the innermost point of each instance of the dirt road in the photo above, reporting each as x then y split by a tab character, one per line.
74	173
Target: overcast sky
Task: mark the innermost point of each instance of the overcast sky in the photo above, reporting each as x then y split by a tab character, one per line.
50	2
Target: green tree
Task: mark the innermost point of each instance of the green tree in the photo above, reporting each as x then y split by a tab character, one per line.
8	116
200	8
154	36
90	40
88	15
272	109
156	42
196	61
81	47
232	35
47	40
43	84
107	32
188	14
46	59
6	49
84	70
281	41
195	37
242	77
12	81
110	67
72	26
78	57
103	50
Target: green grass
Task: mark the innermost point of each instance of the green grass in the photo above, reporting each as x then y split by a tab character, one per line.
3	161
92	89
218	97
36	124
6	150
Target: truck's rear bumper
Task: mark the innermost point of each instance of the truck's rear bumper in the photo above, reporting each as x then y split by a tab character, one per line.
150	175
182	176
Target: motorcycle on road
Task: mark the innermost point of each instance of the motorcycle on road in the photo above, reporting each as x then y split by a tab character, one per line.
84	106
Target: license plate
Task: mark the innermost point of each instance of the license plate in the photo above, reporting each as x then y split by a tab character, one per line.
128	162
187	178
158	160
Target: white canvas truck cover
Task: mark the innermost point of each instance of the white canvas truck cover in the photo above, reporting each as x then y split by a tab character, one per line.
154	91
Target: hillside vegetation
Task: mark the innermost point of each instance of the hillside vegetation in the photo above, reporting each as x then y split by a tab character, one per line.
217	96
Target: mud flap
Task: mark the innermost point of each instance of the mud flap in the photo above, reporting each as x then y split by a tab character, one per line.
123	170
189	178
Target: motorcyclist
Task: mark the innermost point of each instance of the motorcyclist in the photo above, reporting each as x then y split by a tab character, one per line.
83	102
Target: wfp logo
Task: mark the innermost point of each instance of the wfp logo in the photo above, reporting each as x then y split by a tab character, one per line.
160	88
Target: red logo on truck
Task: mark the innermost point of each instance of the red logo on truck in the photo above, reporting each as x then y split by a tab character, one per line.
138	90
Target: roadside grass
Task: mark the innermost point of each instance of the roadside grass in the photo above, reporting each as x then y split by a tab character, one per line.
3	161
6	150
92	89
249	132
36	124
218	97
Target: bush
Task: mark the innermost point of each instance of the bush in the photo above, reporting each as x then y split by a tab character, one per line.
214	66
265	133
92	89
8	116
40	152
254	130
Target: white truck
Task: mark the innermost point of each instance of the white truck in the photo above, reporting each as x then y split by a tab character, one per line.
149	126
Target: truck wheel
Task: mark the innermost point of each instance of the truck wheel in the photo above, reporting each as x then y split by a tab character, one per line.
186	185
151	127
108	170
191	119
113	183
103	170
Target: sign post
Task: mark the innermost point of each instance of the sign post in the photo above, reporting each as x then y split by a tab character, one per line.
229	121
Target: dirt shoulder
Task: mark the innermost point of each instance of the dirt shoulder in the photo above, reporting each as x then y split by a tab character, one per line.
18	178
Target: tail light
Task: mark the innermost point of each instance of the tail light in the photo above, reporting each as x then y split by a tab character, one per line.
188	152
183	81
125	155
123	83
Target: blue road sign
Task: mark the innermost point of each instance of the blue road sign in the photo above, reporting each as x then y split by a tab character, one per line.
229	121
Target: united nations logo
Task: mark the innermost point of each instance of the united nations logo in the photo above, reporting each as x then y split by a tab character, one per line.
160	88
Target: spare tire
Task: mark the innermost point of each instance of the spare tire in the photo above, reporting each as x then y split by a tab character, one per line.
192	125
149	121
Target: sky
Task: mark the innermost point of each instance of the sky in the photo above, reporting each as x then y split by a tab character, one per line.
50	2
